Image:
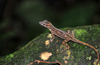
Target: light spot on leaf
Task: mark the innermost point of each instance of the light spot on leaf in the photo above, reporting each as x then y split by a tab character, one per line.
47	42
49	36
45	55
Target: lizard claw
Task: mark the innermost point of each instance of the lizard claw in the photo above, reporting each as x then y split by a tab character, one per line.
51	40
71	33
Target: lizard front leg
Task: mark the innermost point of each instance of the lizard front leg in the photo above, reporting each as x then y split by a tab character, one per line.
53	37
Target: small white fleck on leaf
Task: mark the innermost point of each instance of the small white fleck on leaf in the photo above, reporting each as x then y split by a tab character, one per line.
65	62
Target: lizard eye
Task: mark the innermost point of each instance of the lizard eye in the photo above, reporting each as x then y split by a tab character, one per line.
43	24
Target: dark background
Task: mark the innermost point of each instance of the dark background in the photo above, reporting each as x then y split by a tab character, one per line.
19	19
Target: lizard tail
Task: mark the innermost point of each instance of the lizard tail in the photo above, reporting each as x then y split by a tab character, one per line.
89	46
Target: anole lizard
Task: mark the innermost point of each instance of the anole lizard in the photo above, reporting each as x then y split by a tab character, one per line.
64	35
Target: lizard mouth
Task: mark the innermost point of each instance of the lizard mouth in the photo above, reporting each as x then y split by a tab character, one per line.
41	23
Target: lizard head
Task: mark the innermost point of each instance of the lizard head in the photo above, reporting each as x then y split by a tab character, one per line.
45	23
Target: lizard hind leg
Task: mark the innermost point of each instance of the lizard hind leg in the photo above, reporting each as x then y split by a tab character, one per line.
65	45
53	37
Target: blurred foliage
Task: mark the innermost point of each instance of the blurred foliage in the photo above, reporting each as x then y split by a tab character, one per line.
79	15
